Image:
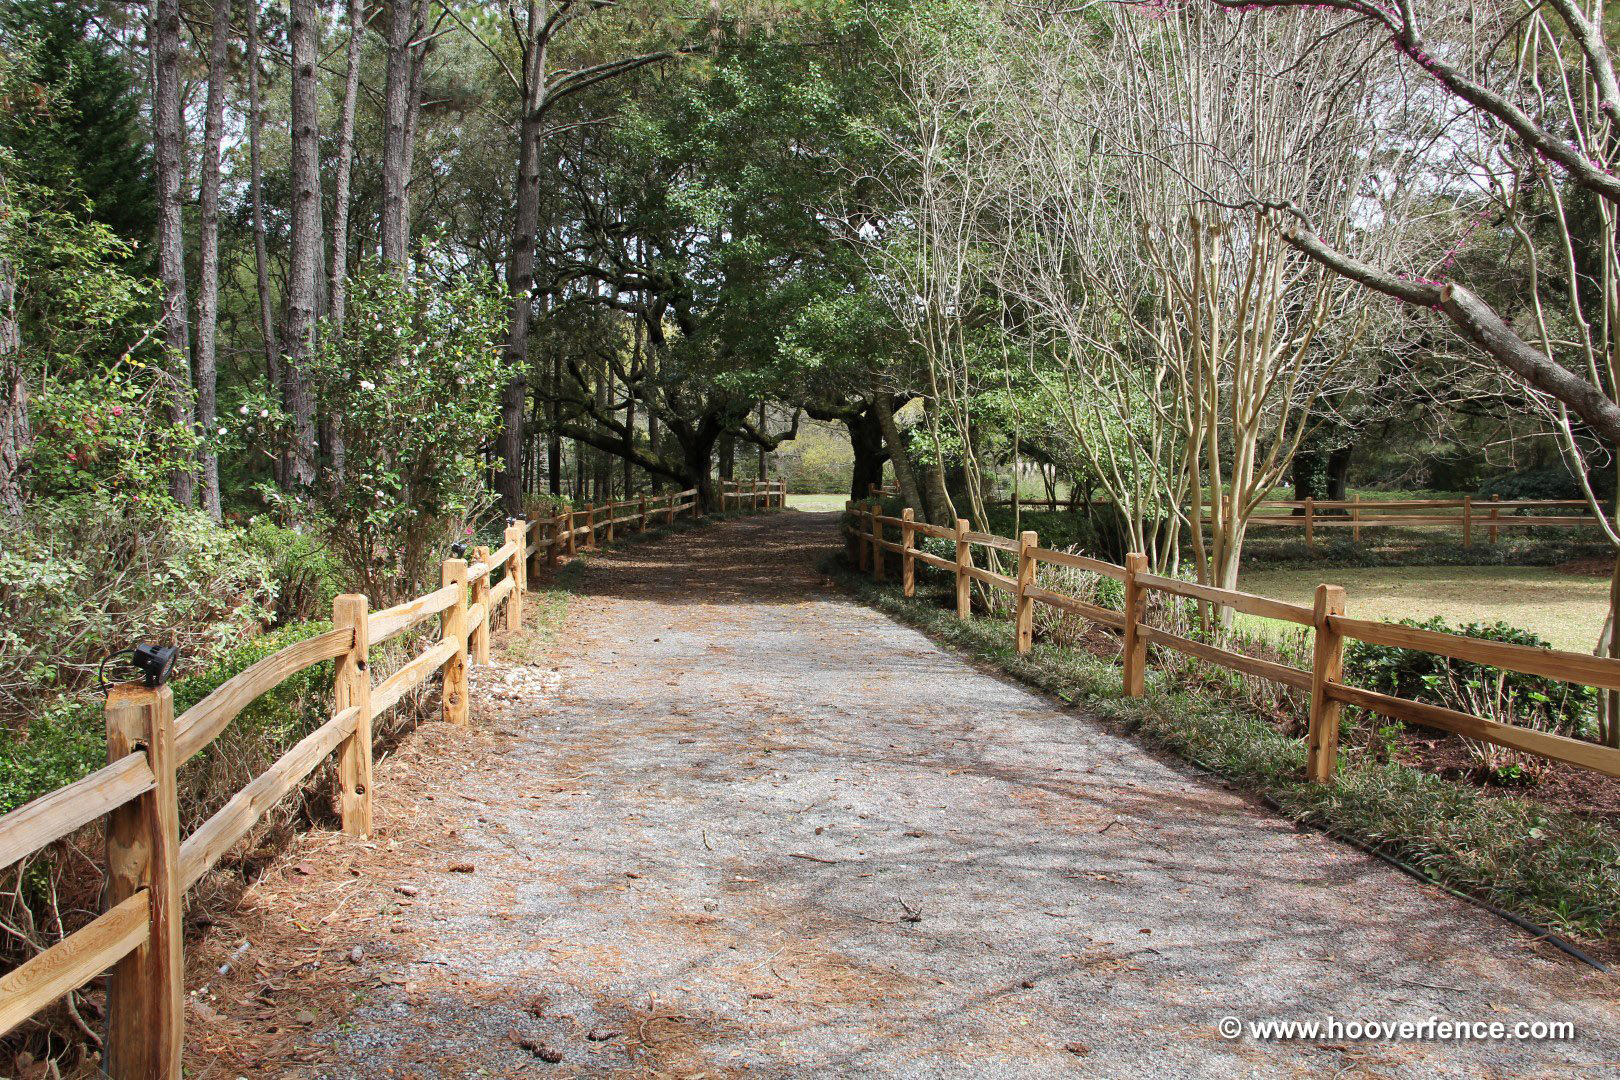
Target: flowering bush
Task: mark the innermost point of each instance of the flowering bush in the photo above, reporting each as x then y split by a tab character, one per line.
413	381
109	432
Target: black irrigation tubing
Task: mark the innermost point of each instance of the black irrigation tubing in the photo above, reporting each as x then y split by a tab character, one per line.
1540	932
1535	929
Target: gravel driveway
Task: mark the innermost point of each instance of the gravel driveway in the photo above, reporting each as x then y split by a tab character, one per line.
739	825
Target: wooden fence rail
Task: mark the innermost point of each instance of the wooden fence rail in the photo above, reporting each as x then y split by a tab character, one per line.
150	866
1326	618
1468	515
756	494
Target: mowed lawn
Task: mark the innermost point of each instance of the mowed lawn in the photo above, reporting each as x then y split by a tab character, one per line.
816	504
1566	609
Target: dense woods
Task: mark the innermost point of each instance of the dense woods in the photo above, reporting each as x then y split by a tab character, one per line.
295	296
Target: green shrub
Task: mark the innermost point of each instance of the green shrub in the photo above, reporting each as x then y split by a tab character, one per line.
1551	482
66	740
1547	704
304	570
85	578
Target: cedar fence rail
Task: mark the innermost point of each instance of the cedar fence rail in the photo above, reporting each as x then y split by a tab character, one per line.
150	866
1492	515
1468	514
1325	617
754	494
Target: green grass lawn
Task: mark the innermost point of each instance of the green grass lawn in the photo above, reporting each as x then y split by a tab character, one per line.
1565	609
816	504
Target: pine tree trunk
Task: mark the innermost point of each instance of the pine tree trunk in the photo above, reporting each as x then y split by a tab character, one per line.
261	257
520	266
554	446
397	82
303	282
14	435
344	170
168	138
208	242
338	265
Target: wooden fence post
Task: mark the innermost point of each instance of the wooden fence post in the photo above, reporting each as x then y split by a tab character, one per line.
1494	511
964	559
453	627
908	562
781	494
590	525
1310	524
352	687
1327	666
516	568
877	542
1468	521
553	535
479	645
146	990
573	540
610	515
1135	646
1024	608
1355	520
642	526
669	509
863	554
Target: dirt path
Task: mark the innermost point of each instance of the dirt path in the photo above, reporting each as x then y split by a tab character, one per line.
738	825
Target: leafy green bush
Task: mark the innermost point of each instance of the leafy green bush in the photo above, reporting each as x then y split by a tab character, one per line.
87	577
1552	482
1544	703
66	740
304	570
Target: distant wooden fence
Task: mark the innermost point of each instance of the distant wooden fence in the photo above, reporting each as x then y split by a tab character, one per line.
1468	515
150	866
1326	617
752	494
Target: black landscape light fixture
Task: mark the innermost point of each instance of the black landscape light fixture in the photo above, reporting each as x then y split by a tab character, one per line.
155	662
459	550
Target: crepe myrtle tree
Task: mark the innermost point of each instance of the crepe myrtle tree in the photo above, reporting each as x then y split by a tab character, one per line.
1188	348
1531	103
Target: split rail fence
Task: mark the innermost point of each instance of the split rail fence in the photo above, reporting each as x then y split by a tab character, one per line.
1468	515
1492	515
752	494
1326	618
150	866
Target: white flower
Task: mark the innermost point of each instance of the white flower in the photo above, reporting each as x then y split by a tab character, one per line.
367	384
222	431
264	412
244	410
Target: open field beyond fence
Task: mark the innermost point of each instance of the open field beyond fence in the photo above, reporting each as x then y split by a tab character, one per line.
1326	617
